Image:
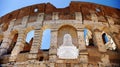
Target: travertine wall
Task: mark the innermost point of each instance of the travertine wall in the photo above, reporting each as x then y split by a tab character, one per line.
70	20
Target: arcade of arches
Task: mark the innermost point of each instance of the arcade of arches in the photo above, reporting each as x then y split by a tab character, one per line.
79	38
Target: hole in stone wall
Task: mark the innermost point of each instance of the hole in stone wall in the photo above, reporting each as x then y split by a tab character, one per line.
91	42
109	42
104	37
46	39
36	10
1	42
41	58
98	10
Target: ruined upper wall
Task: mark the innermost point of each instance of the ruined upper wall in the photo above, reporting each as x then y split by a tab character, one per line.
83	7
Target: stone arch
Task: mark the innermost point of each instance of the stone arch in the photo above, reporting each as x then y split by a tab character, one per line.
67	24
27	45
88	37
27	31
108	41
29	36
43	29
67	29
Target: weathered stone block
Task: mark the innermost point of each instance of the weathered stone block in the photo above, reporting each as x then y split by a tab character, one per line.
83	58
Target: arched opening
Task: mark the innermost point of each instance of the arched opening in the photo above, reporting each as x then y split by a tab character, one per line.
108	41
29	40
29	36
105	38
88	37
14	40
67	43
45	46
46	40
67	29
41	58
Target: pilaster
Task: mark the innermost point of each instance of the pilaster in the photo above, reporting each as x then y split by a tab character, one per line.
19	45
81	42
36	44
5	43
99	42
53	46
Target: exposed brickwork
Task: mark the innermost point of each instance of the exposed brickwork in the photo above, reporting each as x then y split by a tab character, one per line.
98	19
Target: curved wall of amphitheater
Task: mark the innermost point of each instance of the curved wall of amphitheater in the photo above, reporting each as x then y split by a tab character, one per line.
67	26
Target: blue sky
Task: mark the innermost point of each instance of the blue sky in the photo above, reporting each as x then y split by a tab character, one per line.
7	6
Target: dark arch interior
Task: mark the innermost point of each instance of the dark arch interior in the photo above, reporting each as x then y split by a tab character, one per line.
103	37
91	42
12	44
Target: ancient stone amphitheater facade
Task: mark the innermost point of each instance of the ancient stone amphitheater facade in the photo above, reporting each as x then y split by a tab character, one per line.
69	47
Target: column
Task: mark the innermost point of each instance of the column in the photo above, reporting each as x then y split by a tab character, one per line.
83	55
19	45
53	46
98	41
6	42
81	41
37	41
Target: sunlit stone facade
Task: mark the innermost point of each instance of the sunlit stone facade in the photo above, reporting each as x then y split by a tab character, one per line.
70	46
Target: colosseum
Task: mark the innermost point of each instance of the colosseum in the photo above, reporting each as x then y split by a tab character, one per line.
70	46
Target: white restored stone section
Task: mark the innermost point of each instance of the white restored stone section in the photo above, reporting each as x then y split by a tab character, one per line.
55	16
78	16
67	50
